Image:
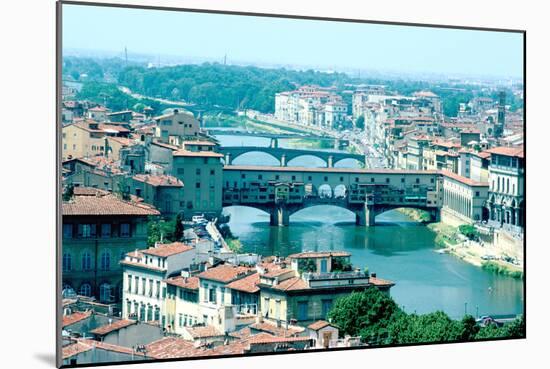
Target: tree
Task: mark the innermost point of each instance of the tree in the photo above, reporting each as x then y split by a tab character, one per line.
178	233
515	329
433	327
69	192
160	231
366	314
469	231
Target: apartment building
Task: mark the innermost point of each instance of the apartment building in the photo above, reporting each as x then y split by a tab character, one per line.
144	272
98	230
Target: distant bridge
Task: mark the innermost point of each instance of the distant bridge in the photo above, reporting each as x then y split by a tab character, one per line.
284	155
336	142
282	191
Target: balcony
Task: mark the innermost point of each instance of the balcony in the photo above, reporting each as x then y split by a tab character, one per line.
336	279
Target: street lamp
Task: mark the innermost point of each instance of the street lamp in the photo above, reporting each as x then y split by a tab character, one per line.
465	308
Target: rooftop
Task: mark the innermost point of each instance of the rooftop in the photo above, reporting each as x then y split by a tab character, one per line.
75	317
200	154
204	332
114	326
225	273
464	180
320	324
167	249
516	151
159	180
247	284
105	204
190	283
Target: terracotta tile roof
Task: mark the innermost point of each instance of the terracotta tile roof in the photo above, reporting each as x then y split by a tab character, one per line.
171	347
199	142
274	272
114	326
113	127
379	282
320	254
110	347
320	324
246	284
159	180
516	151
466	181
263	339
272	329
241	333
75	317
190	283
121	140
225	273
105	205
292	284
168	249
200	154
204	332
74	349
88	191
165	145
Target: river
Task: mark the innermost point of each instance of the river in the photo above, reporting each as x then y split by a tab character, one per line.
397	248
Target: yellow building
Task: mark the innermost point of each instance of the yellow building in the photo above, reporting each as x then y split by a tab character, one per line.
82	139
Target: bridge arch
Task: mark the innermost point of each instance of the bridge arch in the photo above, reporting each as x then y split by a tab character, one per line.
292	160
349	163
265	153
335	205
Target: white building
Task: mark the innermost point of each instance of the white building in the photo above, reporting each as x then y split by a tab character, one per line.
144	272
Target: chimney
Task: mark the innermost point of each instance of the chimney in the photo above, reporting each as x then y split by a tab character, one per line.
373	275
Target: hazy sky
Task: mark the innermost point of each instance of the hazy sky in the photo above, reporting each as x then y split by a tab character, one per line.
332	45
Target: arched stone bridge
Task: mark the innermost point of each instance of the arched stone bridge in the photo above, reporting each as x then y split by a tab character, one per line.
282	191
284	155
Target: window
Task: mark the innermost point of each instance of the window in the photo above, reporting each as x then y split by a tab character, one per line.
106	229
418	180
105	260
125	230
325	307
402	180
372	180
150	287
302	310
181	320
129	283
67	230
86	261
387	180
212	295
277	176
222	290
67	262
198	171
105	292
85	290
212	172
197	185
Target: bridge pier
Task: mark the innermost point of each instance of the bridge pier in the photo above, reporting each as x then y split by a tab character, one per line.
227	159
279	216
330	161
365	216
274	143
283	160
